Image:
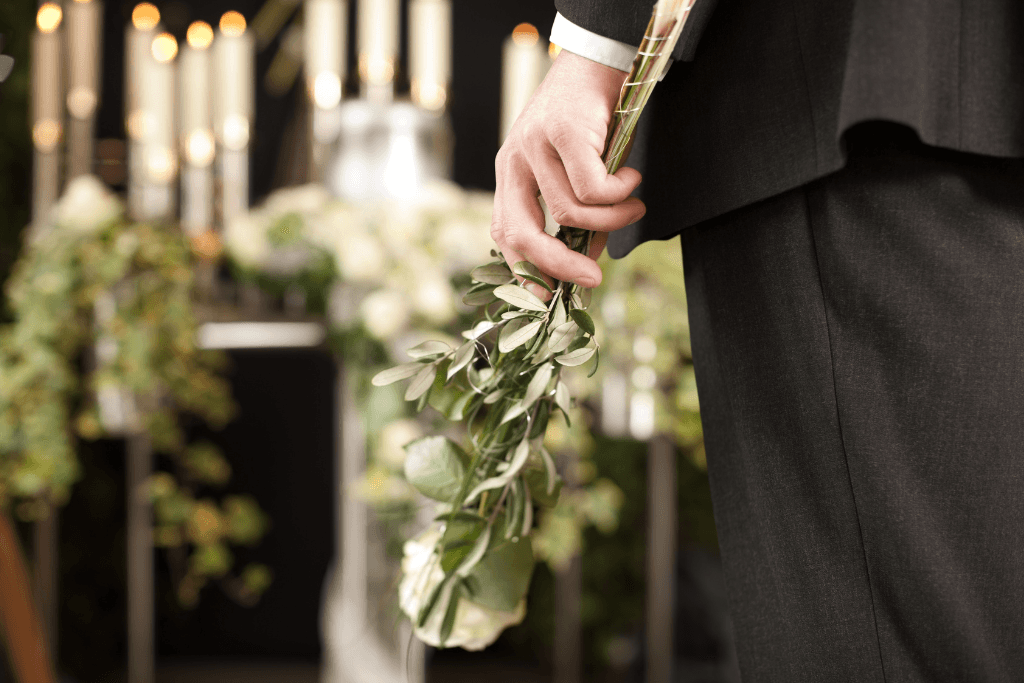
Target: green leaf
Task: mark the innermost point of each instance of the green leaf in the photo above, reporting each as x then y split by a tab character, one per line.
539	480
421	383
436	466
527	512
562	398
597	363
463	357
515	508
458	409
494	396
540	423
558	317
503	576
517	296
514	336
480	329
527	270
562	336
519	458
479	298
477	554
448	623
492	274
577	357
430	348
392	375
538	385
581	297
515	411
461	532
584	320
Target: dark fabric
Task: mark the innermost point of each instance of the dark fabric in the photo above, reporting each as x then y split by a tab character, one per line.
762	107
626	20
859	350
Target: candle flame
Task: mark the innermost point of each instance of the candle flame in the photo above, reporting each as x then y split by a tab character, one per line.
553	50
200	35
145	16
430	96
327	90
525	34
165	47
200	148
49	17
232	24
46	134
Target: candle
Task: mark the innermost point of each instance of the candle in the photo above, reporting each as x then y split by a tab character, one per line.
524	63
197	143
47	108
156	102
84	33
138	42
234	93
378	47
324	34
430	26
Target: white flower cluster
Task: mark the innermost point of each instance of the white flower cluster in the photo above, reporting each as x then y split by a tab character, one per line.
400	257
475	626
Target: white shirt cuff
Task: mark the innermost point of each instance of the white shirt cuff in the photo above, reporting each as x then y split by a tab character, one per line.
594	47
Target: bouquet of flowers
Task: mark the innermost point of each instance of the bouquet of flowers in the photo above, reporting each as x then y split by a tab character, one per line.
466	576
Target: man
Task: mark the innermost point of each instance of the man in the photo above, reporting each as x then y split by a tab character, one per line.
845	178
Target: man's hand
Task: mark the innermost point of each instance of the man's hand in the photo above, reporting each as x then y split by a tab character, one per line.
555	149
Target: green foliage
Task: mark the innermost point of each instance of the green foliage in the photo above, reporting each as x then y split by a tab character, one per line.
114	298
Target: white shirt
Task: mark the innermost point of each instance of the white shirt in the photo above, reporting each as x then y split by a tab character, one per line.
594	47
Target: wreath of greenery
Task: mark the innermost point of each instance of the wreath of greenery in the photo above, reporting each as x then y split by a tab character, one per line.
62	351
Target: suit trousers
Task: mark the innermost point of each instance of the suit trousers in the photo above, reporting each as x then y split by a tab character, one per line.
859	352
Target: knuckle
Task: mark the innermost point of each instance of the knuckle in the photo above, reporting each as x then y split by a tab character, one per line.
562	133
515	240
561	213
589	192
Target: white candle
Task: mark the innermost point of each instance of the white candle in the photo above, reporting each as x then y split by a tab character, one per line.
159	136
47	108
525	62
324	48
430	51
233	105
138	42
377	43
197	143
85	35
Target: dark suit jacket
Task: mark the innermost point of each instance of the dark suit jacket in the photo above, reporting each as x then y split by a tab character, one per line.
773	85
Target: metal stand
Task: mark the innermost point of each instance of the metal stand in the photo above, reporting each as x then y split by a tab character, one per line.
141	623
661	559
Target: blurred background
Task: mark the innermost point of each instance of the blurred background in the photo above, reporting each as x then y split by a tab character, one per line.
220	219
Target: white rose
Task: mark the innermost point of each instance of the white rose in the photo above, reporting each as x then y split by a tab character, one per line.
475	626
393	438
433	298
87	205
359	257
245	239
465	244
304	199
385	313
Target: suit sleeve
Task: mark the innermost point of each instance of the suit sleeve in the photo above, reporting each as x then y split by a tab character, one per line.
626	20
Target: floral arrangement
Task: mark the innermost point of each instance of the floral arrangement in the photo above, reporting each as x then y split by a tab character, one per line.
505	382
91	285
